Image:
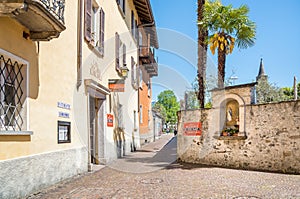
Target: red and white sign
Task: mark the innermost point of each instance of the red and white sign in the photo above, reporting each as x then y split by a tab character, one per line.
192	129
110	120
116	85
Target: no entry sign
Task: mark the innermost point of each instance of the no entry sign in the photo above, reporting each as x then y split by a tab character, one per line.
110	120
192	129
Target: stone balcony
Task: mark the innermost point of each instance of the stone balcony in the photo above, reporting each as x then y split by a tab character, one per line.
43	18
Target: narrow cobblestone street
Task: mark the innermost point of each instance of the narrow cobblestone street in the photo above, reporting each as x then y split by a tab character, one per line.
148	174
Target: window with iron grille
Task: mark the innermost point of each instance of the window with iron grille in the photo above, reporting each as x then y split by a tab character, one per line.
12	94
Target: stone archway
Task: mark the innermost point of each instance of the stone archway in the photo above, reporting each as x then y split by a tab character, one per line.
230	112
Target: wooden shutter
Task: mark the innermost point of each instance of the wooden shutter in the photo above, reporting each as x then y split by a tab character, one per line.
136	30
132	71
88	20
101	30
132	23
124	55
117	48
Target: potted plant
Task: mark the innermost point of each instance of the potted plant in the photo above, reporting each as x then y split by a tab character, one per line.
224	133
230	132
235	132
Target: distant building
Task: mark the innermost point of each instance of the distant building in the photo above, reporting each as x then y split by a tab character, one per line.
148	68
261	73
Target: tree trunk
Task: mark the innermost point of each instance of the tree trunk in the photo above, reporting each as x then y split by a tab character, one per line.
221	67
202	49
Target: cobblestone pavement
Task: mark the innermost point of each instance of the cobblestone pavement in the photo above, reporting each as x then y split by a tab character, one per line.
139	179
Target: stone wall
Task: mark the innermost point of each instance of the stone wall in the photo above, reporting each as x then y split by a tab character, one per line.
271	141
35	172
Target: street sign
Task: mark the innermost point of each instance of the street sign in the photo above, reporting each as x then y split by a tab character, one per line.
192	129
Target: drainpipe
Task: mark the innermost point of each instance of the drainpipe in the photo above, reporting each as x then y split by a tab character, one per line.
79	71
79	44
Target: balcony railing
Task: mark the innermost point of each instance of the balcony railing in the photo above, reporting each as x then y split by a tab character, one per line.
56	7
147	57
44	18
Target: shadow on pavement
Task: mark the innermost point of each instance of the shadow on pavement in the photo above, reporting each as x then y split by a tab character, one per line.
149	158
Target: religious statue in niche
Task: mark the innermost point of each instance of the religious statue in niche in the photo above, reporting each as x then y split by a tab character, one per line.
232	115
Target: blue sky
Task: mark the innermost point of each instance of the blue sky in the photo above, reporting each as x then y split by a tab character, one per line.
277	42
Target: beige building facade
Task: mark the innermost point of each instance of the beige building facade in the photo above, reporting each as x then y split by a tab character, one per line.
69	89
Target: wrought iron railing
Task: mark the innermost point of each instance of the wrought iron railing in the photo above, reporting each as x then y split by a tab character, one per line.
56	7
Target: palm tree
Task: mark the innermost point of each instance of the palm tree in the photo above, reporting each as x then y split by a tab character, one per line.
202	50
228	27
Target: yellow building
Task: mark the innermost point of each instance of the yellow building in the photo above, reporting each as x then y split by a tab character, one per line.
69	88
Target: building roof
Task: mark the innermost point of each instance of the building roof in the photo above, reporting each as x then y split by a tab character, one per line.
146	17
235	86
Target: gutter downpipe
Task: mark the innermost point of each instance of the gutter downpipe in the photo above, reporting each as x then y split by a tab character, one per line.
79	71
79	45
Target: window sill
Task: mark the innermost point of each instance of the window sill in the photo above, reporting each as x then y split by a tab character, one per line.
230	137
96	50
16	133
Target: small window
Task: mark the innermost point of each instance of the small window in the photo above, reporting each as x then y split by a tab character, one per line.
64	132
140	78
141	114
